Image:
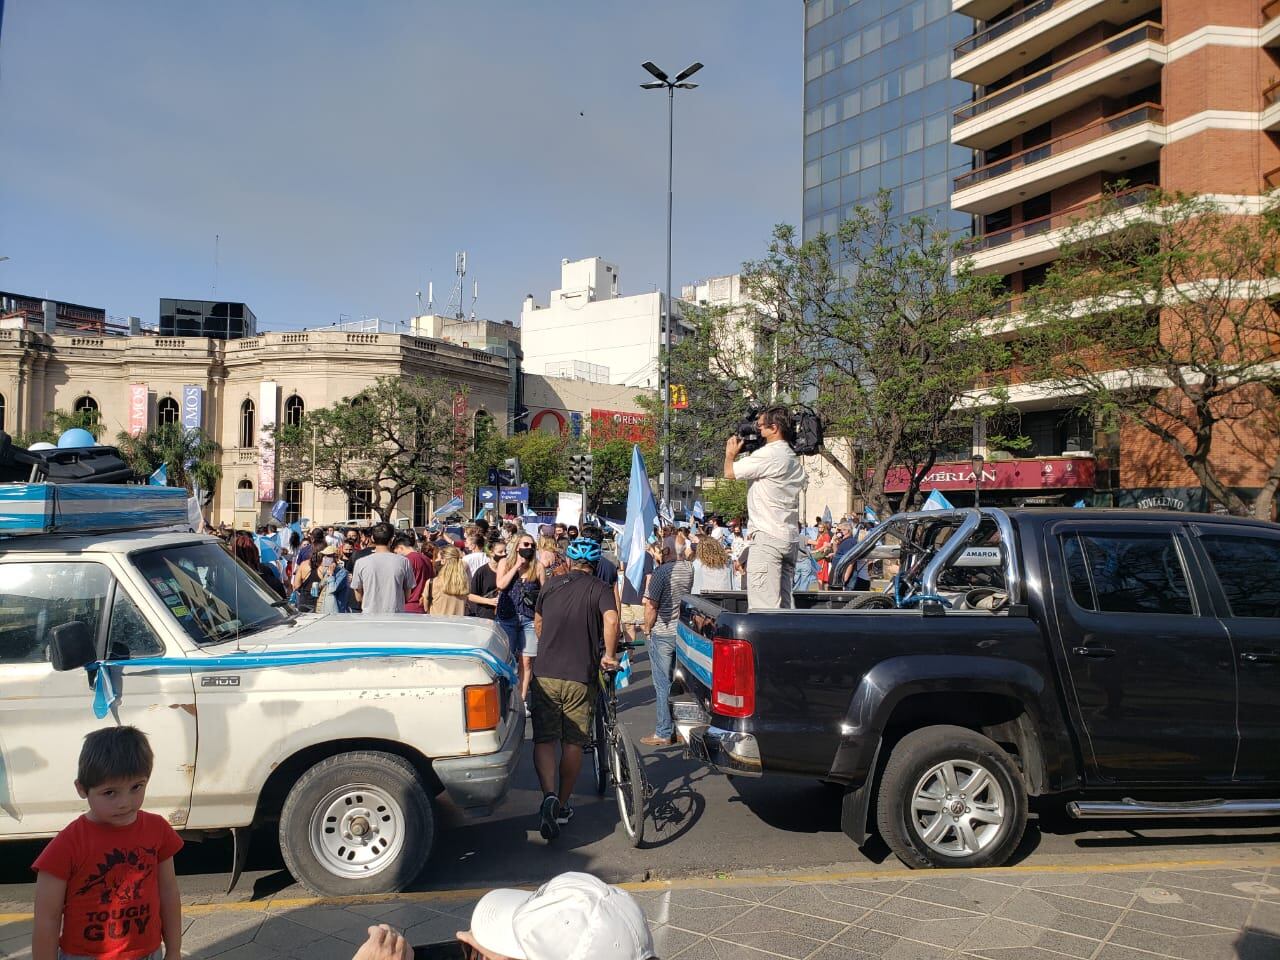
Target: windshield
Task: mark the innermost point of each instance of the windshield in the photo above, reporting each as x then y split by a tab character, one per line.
212	596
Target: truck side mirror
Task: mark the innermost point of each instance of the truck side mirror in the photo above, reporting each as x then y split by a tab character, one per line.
72	646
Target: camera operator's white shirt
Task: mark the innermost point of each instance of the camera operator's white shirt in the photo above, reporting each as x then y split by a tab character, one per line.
774	480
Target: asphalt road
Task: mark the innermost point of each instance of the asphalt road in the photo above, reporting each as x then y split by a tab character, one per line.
700	825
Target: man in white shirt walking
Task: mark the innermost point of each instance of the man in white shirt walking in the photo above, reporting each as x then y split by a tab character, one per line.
775	479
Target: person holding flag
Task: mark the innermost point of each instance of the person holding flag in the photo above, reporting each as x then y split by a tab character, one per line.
633	545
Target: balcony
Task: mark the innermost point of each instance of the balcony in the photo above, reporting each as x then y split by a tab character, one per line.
979	9
1119	142
1271	107
1033	242
1126	62
1033	31
1269	34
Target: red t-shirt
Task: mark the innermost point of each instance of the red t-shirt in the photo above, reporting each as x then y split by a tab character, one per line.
421	574
112	908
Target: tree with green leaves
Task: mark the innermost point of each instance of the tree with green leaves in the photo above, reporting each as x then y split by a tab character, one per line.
1170	325
878	330
611	470
190	457
726	498
394	438
58	422
544	461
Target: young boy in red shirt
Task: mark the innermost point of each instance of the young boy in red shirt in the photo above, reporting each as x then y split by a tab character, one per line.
106	887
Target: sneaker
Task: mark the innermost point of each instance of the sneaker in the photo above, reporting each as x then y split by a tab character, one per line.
653	740
548	813
565	815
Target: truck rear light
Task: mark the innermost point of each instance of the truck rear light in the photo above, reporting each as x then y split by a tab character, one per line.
483	707
733	678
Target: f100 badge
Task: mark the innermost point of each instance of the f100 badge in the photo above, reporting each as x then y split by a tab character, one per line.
232	681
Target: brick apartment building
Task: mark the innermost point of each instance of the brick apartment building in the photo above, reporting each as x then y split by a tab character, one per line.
1072	96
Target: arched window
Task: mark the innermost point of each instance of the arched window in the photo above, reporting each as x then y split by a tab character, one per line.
85	404
167	411
360	503
293	497
248	424
244	484
293	410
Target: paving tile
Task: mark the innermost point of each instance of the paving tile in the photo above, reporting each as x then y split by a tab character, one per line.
1012	953
15	947
329	948
704	919
764	919
948	932
762	894
874	942
1266	919
967	894
1113	951
440	927
1175	926
1212	945
833	951
904	906
1252	945
1128	882
18	928
1044	909
218	932
285	935
245	951
373	910
408	914
777	942
668	941
826	902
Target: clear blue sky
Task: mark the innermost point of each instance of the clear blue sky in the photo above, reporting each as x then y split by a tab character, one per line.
345	150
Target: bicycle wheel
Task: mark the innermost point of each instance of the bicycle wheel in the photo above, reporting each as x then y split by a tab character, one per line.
600	749
628	786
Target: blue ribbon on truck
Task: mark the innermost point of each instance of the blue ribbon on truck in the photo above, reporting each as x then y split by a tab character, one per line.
34	508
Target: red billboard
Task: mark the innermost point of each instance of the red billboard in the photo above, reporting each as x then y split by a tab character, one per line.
622	425
1037	473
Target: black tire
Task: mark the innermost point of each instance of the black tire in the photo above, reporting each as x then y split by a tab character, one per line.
876	601
360	783
917	772
600	749
628	787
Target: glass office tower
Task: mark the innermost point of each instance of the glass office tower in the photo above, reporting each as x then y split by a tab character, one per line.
878	100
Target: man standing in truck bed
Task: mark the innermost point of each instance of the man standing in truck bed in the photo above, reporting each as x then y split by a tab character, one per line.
774	480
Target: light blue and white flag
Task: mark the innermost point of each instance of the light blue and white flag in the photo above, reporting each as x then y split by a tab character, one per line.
161	477
698	512
870	515
666	513
453	506
826	514
280	510
623	678
1079	505
937	501
642	513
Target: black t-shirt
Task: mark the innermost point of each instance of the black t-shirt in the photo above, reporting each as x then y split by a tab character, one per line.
484	583
572	638
630	595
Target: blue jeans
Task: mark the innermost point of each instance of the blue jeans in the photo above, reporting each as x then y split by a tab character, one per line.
662	655
514	635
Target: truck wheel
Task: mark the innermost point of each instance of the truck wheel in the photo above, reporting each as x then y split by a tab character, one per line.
357	823
950	797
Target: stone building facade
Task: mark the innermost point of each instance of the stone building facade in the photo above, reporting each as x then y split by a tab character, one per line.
237	387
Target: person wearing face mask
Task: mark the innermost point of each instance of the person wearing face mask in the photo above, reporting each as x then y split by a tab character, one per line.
523	577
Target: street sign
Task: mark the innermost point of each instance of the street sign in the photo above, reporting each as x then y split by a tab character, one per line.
488	495
518	494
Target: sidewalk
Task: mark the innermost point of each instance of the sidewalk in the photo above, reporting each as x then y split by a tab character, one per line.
1228	910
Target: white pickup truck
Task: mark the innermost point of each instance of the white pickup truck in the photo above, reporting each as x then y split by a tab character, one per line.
339	728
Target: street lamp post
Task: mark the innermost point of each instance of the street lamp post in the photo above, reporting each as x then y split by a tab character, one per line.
977	461
662	82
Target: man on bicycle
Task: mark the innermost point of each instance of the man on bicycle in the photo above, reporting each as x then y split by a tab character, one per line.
576	618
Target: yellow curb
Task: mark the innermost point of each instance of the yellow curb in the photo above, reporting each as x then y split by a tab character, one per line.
706	883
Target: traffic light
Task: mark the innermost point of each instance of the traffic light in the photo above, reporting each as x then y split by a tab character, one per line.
580	469
510	472
493	478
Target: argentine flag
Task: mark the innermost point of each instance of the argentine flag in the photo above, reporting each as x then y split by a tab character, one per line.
937	501
641	514
161	477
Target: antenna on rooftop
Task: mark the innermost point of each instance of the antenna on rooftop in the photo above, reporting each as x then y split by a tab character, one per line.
455	299
475	295
431	297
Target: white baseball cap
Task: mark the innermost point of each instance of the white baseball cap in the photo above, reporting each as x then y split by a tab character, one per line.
571	917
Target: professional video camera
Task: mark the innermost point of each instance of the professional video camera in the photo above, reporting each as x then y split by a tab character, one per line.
807	425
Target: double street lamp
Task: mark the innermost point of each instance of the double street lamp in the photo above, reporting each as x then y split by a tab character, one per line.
671	84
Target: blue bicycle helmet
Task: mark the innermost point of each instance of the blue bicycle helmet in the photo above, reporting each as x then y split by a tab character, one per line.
583	550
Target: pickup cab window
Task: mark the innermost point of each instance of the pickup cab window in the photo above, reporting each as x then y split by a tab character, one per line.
1249	570
212	597
36	597
1126	573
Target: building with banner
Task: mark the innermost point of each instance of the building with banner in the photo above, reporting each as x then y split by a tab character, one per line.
235	390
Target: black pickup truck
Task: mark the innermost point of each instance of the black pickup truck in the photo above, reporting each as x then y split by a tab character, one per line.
1125	663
